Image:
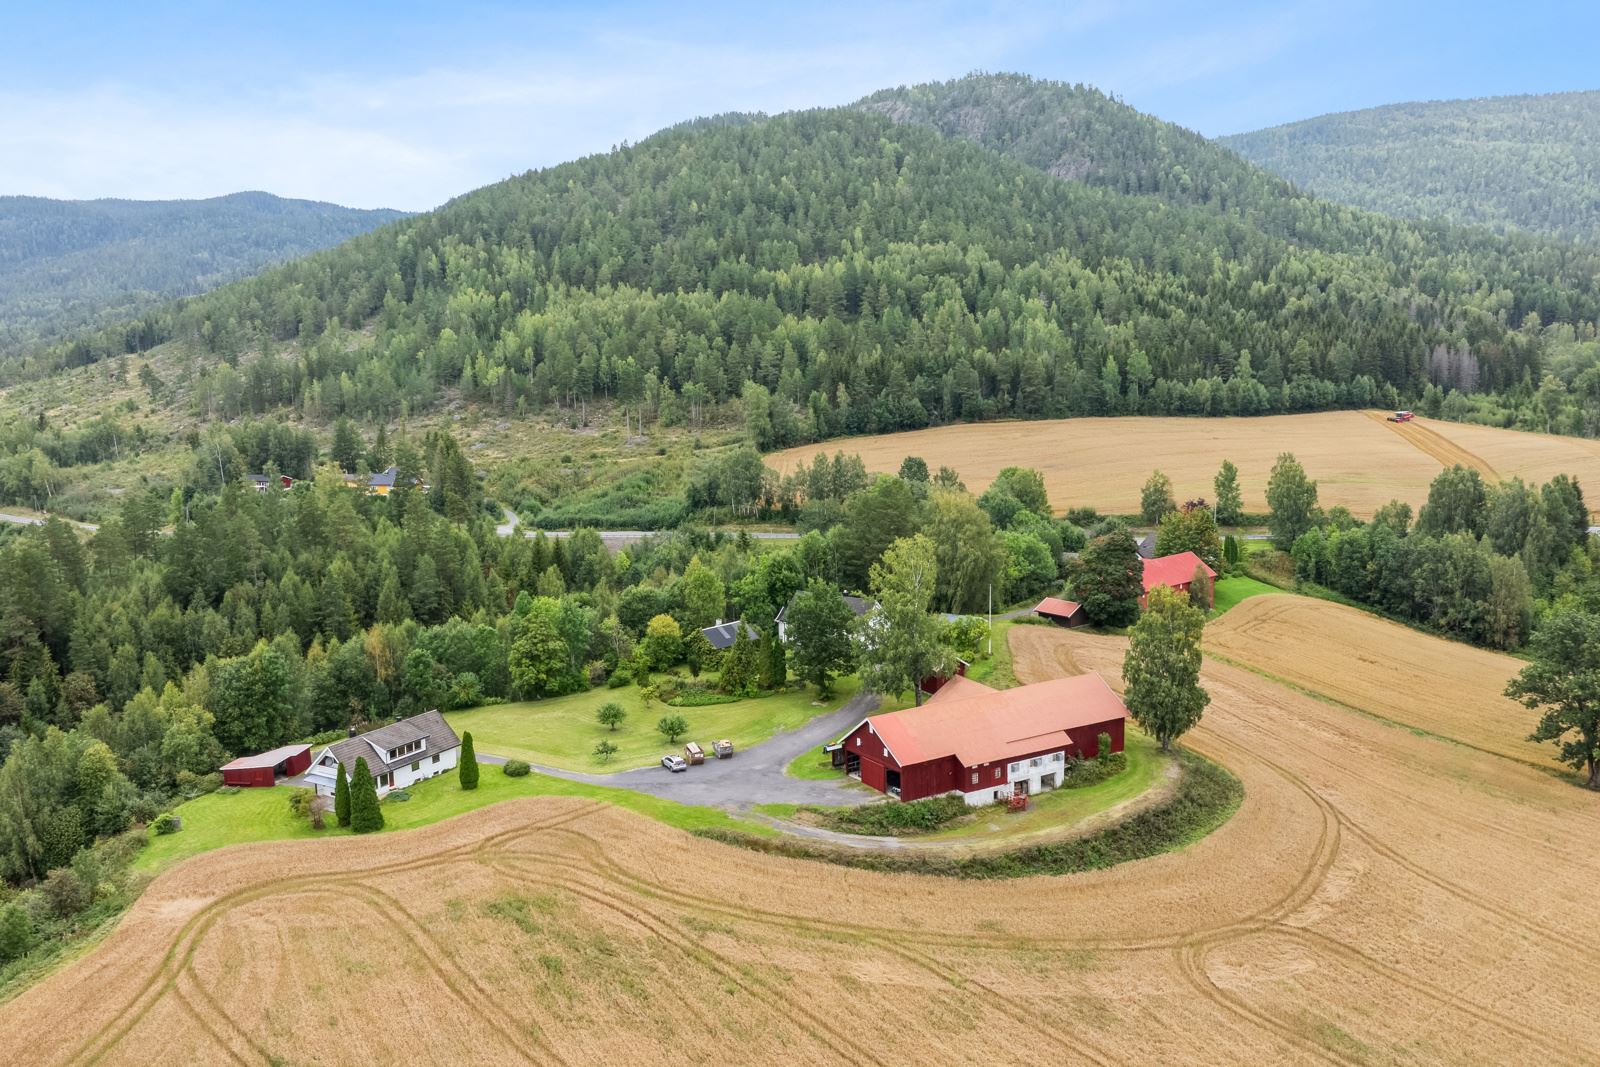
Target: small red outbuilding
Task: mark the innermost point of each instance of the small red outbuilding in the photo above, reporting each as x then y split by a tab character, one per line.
264	769
1061	612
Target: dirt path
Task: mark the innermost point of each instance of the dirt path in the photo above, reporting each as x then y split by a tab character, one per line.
1381	897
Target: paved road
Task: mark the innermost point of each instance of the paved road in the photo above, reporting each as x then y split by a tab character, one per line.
753	776
29	520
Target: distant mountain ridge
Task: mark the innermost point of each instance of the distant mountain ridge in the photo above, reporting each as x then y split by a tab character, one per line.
1507	162
66	264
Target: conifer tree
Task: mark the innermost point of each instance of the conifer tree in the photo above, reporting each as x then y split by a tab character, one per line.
341	797
365	815
468	767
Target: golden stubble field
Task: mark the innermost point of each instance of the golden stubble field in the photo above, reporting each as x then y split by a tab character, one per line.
1380	897
1358	458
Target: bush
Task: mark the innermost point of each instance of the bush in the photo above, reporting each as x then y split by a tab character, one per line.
398	796
908	817
302	802
1081	773
516	768
604	750
1083	516
228	790
619	678
16	933
191	785
66	892
166	823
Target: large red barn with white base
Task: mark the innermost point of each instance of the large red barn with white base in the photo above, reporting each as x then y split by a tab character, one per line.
984	743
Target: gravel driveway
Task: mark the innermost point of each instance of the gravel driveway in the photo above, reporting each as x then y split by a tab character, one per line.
753	776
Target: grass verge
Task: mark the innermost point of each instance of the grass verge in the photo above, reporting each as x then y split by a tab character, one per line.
1206	796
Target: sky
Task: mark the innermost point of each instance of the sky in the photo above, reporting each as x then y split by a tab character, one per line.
405	104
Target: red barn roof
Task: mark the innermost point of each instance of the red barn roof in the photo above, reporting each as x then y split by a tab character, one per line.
1175	571
266	759
1052	605
977	725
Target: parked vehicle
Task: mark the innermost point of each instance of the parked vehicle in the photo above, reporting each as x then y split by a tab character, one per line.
723	748
674	763
694	753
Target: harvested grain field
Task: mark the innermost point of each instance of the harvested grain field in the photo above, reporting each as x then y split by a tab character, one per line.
1358	458
1380	667
1381	897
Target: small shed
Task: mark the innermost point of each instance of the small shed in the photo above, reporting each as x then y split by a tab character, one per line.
264	769
1061	612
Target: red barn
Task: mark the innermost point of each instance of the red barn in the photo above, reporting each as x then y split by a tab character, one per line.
1176	571
264	769
1067	613
983	743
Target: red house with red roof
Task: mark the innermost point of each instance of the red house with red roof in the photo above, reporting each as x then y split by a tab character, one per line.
984	743
1067	613
1176	571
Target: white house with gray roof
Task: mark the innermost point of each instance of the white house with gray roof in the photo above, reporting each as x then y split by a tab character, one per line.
397	755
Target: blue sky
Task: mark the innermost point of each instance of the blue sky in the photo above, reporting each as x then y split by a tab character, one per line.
407	104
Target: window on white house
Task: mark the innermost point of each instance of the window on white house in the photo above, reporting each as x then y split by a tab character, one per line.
436	759
417	766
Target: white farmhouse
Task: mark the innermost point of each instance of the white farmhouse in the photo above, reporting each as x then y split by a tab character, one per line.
397	755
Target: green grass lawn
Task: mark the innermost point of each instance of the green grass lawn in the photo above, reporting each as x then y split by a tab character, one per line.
562	732
217	819
1057	808
1229	591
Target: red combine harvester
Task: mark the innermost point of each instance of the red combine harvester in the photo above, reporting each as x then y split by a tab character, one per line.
1401	416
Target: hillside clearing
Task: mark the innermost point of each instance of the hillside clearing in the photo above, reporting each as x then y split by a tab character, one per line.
1358	459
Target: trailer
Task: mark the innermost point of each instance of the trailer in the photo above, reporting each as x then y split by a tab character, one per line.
694	753
723	748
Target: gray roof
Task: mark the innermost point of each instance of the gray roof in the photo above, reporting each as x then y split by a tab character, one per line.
385	477
859	605
371	745
1147	546
722	635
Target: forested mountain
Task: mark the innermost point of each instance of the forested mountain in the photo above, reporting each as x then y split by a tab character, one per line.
1509	163
869	276
65	264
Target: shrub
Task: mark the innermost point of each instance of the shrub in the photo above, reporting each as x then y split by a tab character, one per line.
907	817
1083	516
515	768
469	762
301	802
166	823
191	785
227	790
1103	745
398	796
604	750
1081	773
66	892
619	677
16	933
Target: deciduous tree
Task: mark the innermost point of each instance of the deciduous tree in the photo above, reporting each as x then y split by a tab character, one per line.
1162	667
1108	579
818	627
1292	500
900	639
1563	684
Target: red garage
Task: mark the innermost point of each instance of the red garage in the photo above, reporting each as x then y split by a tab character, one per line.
986	744
264	769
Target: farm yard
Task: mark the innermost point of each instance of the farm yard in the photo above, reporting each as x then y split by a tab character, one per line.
561	732
1358	459
1381	896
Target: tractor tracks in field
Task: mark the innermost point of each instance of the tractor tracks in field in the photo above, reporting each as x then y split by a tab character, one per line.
1437	446
178	959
